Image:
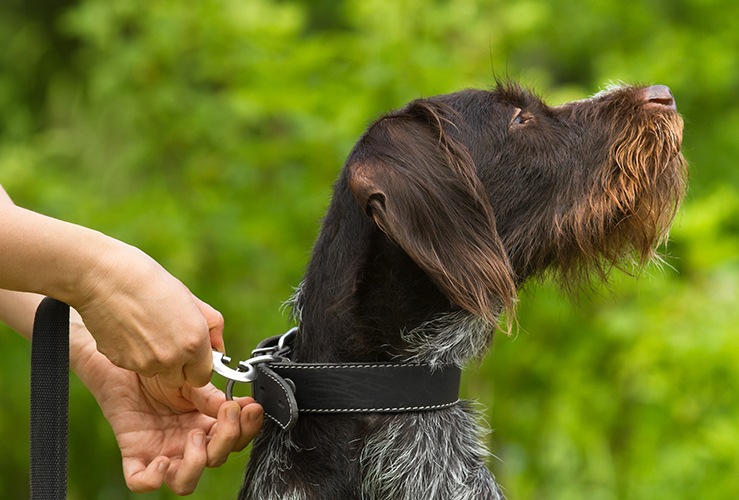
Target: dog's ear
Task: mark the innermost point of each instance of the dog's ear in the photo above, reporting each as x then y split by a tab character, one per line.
421	188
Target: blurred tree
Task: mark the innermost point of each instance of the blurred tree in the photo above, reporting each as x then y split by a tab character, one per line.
208	133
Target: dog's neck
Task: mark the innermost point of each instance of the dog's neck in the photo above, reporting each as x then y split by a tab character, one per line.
372	302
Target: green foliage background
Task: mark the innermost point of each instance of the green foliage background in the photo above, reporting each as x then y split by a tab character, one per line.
209	132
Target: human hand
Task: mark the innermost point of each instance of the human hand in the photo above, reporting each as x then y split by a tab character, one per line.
173	435
142	317
145	320
168	435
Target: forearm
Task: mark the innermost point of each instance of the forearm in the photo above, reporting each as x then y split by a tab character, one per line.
43	255
17	310
39	259
4	197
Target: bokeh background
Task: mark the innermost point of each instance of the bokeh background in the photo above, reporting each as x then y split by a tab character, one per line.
209	132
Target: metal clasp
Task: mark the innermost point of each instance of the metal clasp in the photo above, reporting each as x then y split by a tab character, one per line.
246	370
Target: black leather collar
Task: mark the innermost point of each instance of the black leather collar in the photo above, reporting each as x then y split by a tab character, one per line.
285	388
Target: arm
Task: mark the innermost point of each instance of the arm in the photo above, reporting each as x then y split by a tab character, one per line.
141	317
166	435
17	310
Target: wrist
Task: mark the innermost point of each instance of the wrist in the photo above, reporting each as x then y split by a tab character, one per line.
84	358
86	269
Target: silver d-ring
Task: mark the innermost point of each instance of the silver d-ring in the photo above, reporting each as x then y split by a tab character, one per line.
230	390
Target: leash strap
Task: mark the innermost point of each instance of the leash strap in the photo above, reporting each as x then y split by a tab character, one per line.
49	400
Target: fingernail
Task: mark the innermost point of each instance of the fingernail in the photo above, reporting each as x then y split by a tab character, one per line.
255	414
198	438
232	413
163	466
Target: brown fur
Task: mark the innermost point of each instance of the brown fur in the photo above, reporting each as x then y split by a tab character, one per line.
630	210
441	219
443	210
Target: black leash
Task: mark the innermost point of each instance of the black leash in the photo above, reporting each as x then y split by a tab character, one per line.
49	400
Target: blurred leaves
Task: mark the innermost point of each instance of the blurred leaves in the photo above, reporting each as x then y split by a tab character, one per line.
208	133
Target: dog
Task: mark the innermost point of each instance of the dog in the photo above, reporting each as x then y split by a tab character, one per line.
442	211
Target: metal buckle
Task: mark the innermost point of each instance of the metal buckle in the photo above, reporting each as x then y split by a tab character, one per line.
246	370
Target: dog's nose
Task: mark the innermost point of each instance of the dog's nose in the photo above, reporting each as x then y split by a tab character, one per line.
660	94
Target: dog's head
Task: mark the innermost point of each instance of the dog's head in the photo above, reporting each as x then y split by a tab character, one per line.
483	189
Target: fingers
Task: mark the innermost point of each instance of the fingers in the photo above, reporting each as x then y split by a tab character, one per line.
252	416
227	433
198	371
198	368
237	424
207	400
236	427
141	478
184	476
156	325
181	476
215	323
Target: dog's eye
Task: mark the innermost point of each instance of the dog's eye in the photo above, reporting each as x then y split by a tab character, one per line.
520	117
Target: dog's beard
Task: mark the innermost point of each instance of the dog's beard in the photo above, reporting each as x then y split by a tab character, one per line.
630	209
648	184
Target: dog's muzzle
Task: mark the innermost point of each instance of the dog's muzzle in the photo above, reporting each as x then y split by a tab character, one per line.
285	388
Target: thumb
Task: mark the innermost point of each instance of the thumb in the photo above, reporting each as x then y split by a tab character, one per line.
207	400
215	323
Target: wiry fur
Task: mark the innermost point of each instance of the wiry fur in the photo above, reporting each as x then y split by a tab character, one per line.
428	455
451	339
278	447
443	210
